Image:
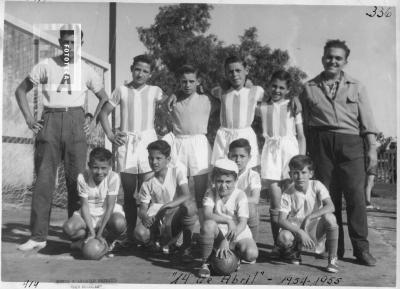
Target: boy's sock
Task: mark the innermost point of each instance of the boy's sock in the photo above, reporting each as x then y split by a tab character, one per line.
274	214
206	246
332	236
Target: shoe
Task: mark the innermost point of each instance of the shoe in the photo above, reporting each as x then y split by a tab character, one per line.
185	255
125	243
77	245
31	244
276	252
323	255
204	271
293	257
365	258
248	262
371	208
332	265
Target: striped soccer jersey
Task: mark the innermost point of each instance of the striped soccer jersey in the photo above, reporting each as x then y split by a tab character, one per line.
137	106
238	106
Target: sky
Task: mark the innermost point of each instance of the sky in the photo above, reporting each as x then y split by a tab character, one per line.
300	29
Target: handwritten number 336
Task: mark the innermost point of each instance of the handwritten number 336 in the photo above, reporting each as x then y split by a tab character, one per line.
380	12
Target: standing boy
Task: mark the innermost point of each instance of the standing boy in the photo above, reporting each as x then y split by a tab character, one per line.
98	190
189	144
238	105
248	181
137	102
306	215
167	190
61	133
226	212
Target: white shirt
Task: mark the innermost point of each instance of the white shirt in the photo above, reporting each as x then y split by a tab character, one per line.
234	207
96	194
161	193
238	106
137	106
298	205
277	120
249	181
50	75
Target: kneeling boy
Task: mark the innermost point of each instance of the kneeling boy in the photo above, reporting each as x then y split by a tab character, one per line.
98	190
225	218
167	190
306	216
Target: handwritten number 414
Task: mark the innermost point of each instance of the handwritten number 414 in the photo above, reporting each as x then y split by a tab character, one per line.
379	12
31	284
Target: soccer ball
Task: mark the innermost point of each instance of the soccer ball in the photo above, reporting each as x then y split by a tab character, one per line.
94	249
224	266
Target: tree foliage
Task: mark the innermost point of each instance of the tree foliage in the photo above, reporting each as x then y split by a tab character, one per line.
178	36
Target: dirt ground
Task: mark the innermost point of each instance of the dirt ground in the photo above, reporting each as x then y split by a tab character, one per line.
56	263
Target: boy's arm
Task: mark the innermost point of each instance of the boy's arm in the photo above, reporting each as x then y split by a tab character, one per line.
146	219
87	218
254	197
327	207
183	197
297	231
20	94
301	138
103	116
110	203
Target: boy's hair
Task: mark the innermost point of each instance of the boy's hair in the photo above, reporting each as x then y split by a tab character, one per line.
282	75
160	145
68	32
299	162
100	154
234	59
222	172
143	58
337	44
240	143
187	69
294	103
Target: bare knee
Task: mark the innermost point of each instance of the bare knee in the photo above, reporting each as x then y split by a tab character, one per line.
330	220
190	208
251	253
141	233
285	239
69	229
117	224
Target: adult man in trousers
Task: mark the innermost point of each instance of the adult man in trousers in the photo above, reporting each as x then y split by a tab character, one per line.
338	117
61	133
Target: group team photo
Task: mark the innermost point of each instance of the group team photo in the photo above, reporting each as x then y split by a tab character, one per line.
220	158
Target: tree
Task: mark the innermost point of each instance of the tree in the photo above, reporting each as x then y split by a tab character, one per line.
178	36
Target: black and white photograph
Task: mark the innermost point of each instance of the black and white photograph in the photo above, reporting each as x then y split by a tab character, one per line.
199	143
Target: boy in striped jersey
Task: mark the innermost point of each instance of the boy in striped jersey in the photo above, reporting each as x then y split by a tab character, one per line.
238	104
137	102
190	115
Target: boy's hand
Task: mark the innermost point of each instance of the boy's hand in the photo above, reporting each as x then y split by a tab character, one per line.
89	126
34	125
91	235
231	235
171	102
147	221
118	138
223	249
306	241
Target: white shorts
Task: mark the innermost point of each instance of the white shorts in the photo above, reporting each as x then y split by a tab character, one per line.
193	151
133	155
276	155
245	234
96	220
225	136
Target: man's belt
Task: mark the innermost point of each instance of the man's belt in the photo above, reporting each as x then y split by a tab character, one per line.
62	109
